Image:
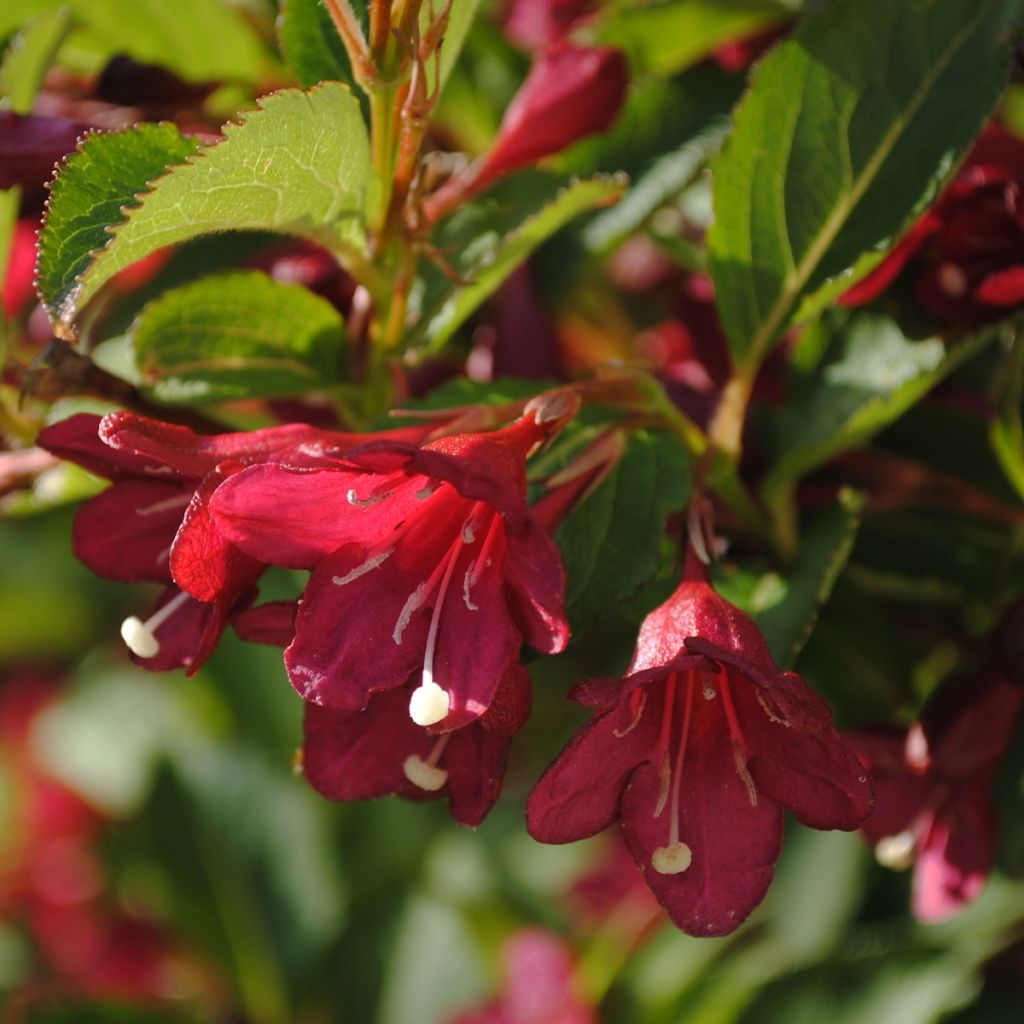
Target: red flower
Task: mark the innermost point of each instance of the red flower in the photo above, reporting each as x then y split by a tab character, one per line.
967	251
153	523
538	985
933	790
425	560
361	755
570	92
535	24
698	751
21	268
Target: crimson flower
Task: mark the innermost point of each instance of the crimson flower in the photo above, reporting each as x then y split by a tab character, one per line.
697	752
153	525
535	24
380	751
425	560
967	252
933	789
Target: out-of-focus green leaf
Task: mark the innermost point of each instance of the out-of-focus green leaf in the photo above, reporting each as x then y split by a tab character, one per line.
300	165
238	335
824	549
97	185
612	543
311	43
29	56
848	129
1006	433
872	374
199	39
460	20
661	182
487	241
670	35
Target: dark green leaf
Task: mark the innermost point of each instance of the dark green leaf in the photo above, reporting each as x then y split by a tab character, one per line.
1006	434
238	335
486	241
96	187
824	549
848	129
299	165
311	43
612	543
871	376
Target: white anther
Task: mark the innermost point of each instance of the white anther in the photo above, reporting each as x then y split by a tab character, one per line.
896	852
139	638
952	280
673	859
424	775
429	703
353	499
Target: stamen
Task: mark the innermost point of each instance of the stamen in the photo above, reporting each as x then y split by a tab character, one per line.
164	505
414	601
664	738
638	698
140	637
466	584
429	704
707	686
740	751
896	852
675	857
425	774
426	492
373	562
374	499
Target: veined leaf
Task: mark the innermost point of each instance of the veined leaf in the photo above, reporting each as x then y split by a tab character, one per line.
490	239
239	335
848	129
612	543
300	165
96	188
872	375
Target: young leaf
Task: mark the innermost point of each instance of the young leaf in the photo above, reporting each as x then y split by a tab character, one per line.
311	43
848	128
239	335
872	376
95	190
612	543
299	165
824	549
488	240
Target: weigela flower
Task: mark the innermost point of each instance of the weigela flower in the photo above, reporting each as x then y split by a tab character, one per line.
153	525
379	751
697	752
535	24
425	561
967	251
933	789
538	985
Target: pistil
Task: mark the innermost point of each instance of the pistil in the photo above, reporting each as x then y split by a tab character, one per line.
675	857
140	637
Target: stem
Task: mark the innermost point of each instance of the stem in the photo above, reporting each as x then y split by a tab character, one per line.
364	69
725	431
382	134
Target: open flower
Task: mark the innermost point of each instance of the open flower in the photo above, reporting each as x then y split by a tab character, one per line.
697	752
361	755
425	561
933	786
152	524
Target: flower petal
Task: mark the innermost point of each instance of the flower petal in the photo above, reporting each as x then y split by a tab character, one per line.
537	580
77	439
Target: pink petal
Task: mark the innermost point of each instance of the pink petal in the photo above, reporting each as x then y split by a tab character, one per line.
77	439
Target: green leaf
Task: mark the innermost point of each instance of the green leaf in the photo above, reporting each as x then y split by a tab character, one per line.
1006	433
300	165
486	241
311	43
199	39
29	57
96	187
824	549
848	129
872	375
237	335
460	20
669	37
612	543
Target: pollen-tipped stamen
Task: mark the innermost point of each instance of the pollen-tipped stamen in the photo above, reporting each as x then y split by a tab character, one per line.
140	637
740	750
425	774
896	852
675	856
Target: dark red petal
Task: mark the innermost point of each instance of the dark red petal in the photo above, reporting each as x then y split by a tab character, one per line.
202	561
801	763
77	439
475	761
734	844
876	282
358	755
188	637
511	705
31	146
536	577
1002	288
271	623
900	795
126	532
579	794
955	854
